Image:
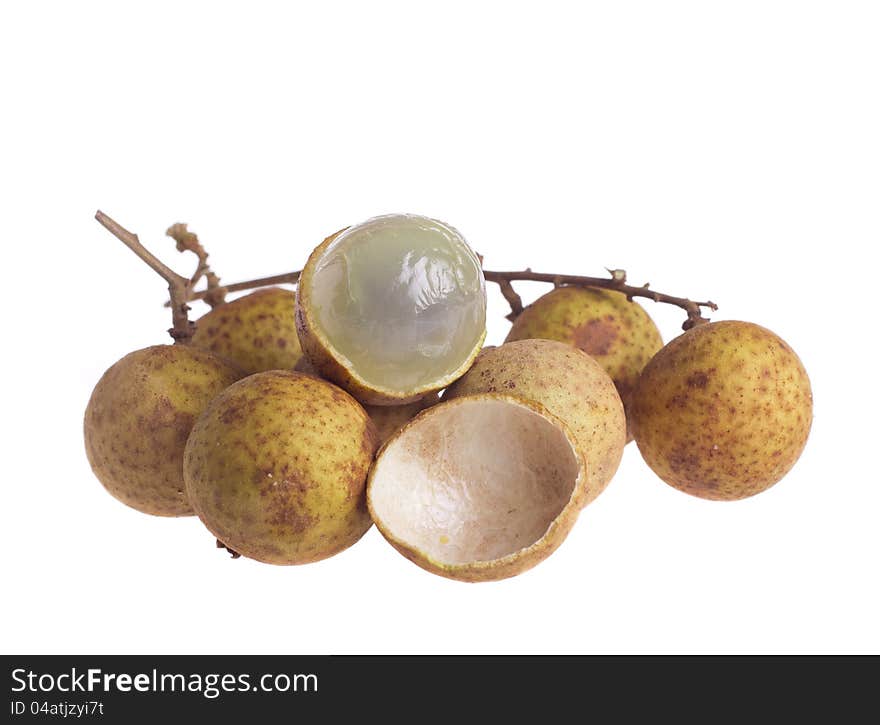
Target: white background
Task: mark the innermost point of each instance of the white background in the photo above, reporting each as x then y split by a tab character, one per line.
721	150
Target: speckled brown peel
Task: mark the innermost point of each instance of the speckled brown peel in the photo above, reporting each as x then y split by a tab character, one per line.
276	468
723	411
257	332
617	333
570	384
138	419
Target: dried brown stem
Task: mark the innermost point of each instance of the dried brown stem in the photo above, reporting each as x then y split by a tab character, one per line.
178	287
513	299
504	280
616	282
288	278
187	241
232	552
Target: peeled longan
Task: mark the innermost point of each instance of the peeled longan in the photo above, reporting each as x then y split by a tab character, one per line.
392	309
723	411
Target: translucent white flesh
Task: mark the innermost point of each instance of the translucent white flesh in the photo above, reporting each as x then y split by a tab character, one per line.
402	298
474	480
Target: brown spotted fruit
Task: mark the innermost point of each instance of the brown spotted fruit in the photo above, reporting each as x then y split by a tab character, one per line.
723	411
617	333
570	384
478	488
276	468
138	419
257	332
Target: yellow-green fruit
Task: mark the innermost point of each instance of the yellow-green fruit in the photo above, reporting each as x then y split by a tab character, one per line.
723	411
257	331
570	384
618	333
276	468
138	419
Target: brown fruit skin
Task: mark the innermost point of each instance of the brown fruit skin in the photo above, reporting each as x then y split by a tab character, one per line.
723	411
330	368
512	564
617	333
276	468
257	332
391	418
138	419
570	384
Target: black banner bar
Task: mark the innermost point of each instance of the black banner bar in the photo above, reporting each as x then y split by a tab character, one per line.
279	688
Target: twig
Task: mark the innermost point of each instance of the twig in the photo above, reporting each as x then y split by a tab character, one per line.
288	278
187	241
513	299
616	282
232	552
178	287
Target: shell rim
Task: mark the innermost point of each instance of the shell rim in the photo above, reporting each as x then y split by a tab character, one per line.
454	571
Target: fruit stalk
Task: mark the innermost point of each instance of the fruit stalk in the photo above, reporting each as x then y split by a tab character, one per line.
178	287
504	280
617	282
187	241
286	278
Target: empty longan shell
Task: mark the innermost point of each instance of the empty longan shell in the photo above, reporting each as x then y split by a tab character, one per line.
479	488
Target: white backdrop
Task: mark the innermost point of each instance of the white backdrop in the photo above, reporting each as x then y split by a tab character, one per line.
721	150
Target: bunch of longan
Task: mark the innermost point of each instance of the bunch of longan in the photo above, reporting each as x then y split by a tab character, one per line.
290	423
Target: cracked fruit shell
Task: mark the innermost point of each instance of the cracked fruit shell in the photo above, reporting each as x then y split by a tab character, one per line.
392	309
570	384
478	488
276	468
